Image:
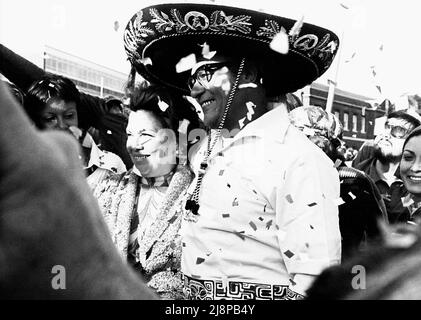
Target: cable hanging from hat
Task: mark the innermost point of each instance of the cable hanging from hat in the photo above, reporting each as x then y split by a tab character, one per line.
193	203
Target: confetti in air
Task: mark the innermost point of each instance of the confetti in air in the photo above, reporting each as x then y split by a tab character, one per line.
250	110
261	219
247	85
235	203
241	122
312	204
296	28
253	225
311	227
162	105
289	254
225	215
199	260
109	132
351	195
146	61
339	201
407	201
221	172
206	53
289	198
338	162
186	63
280	42
269	224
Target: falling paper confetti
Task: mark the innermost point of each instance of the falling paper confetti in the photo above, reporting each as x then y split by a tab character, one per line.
339	201
289	198
312	204
338	162
228	185
146	61
109	132
225	215
206	53
261	219
186	63
351	195
235	203
253	225
162	105
280	43
296	28
406	201
221	172
311	227
247	85
200	260
172	219
269	224
289	254
264	208
250	108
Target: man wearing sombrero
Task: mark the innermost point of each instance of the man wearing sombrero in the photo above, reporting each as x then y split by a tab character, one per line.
262	220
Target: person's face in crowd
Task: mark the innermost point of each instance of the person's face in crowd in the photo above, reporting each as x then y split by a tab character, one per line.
388	145
410	166
210	85
59	114
146	142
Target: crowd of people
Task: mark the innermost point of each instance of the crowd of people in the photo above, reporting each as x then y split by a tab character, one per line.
259	199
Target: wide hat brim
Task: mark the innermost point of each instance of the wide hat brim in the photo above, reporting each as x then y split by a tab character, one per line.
158	37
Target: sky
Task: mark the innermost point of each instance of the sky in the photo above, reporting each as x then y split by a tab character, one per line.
376	35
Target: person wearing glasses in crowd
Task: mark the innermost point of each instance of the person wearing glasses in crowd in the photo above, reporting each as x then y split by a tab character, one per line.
262	218
383	166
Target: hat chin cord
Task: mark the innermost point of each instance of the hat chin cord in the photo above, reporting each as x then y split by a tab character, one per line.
193	203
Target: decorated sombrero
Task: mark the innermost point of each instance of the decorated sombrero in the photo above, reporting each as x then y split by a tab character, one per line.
158	37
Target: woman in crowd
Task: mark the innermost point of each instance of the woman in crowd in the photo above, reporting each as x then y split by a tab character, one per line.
51	103
143	207
93	112
410	171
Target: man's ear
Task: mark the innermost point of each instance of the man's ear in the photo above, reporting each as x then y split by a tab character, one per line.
250	74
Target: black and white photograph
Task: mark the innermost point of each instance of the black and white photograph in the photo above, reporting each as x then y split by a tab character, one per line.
232	151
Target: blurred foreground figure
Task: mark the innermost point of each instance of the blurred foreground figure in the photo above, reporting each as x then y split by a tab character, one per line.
49	219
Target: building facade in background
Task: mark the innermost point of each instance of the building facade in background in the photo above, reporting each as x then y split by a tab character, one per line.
89	77
355	112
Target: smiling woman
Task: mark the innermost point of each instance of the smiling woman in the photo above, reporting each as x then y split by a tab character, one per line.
410	170
143	207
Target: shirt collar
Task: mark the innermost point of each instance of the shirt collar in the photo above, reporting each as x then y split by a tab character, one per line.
273	125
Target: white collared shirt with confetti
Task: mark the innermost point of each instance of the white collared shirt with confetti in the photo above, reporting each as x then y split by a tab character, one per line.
268	209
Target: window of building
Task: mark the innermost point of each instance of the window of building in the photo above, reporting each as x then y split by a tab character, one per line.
362	124
346	120
354	123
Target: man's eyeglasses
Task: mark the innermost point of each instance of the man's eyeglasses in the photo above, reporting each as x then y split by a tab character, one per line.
397	131
204	74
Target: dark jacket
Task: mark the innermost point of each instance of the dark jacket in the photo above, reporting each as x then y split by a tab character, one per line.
363	207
